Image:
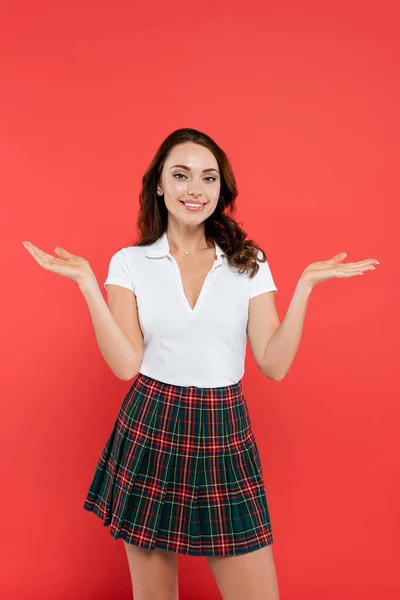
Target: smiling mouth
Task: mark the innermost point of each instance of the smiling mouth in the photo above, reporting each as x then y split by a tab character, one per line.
193	206
192	203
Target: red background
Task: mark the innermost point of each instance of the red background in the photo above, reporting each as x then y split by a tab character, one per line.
304	98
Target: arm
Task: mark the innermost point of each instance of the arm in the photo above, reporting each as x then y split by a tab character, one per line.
116	326
123	352
274	345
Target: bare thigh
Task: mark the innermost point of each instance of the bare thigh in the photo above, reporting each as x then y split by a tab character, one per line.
154	573
251	576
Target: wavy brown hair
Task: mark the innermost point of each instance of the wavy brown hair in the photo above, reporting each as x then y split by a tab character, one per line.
220	227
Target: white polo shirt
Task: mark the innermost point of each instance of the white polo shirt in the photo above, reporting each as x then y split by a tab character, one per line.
204	347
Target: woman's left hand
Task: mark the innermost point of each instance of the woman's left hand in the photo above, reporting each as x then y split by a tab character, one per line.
328	269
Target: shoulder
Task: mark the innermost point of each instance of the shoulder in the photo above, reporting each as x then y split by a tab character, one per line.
127	259
130	253
262	258
263	280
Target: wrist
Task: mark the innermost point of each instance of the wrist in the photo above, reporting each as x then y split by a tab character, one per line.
88	280
304	286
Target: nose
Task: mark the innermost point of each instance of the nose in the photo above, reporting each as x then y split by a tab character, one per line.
194	191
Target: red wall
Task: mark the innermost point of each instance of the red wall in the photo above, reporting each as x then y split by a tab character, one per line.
304	97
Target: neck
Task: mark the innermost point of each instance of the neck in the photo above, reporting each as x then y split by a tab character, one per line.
186	237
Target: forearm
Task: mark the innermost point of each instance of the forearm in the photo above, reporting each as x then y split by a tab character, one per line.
282	347
115	347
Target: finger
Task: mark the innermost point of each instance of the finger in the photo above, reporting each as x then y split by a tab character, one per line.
367	261
31	250
39	259
338	258
344	275
41	254
30	246
63	252
44	260
355	271
359	265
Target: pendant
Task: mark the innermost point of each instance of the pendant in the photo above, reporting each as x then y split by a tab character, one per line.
186	251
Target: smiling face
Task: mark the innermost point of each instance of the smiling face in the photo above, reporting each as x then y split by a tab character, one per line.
191	190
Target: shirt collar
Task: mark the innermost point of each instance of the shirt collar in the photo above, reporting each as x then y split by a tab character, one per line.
161	248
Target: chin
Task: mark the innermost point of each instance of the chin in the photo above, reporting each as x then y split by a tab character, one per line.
193	219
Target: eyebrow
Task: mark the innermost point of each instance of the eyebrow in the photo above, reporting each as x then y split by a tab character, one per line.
189	169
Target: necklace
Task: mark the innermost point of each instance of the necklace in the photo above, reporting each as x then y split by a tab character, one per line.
188	251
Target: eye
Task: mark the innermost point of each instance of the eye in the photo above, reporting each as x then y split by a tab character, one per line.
210	177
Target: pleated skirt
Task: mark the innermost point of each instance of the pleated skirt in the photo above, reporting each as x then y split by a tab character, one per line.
181	471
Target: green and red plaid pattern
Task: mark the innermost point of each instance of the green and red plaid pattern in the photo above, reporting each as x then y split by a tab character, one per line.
181	471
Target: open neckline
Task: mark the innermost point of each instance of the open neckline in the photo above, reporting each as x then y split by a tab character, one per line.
200	297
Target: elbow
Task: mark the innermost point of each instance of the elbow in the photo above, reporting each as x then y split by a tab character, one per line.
132	372
273	376
278	378
128	375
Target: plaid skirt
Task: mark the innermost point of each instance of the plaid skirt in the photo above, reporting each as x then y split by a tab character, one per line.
181	471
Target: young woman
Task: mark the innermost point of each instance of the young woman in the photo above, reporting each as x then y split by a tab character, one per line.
181	472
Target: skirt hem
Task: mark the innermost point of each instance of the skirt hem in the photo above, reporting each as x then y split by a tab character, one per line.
172	547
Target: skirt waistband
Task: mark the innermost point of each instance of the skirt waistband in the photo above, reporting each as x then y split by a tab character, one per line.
230	394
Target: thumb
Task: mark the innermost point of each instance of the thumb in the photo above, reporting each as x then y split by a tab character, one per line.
339	257
62	252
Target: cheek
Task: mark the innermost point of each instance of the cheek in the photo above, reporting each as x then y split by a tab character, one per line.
215	196
176	187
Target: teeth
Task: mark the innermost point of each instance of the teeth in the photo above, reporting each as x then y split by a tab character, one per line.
194	205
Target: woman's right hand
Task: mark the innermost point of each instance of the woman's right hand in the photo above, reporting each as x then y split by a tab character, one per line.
68	265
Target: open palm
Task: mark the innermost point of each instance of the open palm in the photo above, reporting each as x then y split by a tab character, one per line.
329	269
68	265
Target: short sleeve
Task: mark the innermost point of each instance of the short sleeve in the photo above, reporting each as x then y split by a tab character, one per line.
262	280
120	270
